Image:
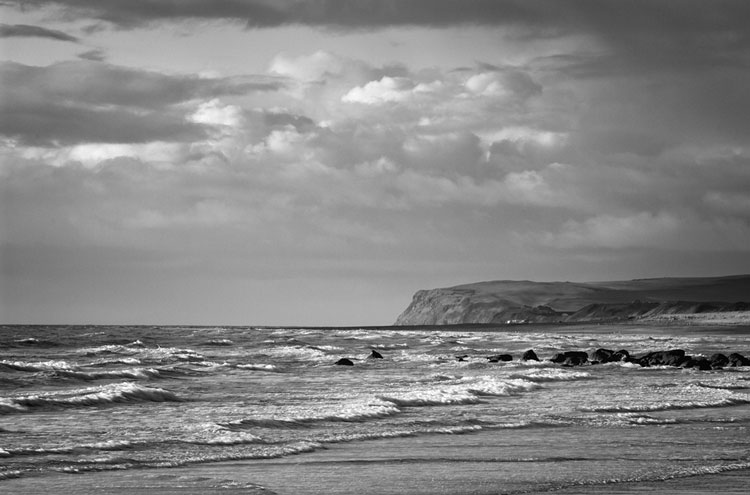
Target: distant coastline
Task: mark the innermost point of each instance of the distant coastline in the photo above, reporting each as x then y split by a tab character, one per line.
707	300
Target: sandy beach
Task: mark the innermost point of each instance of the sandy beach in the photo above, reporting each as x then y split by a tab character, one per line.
487	463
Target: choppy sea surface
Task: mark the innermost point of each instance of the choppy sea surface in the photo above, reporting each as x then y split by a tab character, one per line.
87	399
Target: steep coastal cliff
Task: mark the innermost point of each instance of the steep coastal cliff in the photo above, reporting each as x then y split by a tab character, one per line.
526	302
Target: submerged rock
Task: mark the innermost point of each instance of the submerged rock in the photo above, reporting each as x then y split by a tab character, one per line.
603	356
529	355
621	355
571	358
500	357
718	361
672	357
737	359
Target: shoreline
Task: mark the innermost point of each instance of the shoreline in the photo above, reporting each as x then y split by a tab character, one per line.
475	463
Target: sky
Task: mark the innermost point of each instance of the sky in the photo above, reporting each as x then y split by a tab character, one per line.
292	162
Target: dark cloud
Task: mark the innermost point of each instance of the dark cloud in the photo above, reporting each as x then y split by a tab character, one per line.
47	124
280	119
106	84
93	55
650	34
612	16
26	31
85	101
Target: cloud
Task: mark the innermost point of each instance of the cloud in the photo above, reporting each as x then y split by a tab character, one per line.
49	124
610	14
329	161
307	68
83	101
504	83
26	31
662	230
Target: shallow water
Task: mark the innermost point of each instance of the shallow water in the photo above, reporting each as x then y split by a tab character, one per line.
250	407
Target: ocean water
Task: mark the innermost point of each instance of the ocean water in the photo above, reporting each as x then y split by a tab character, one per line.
266	410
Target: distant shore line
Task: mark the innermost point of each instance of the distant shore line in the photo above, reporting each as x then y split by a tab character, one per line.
714	319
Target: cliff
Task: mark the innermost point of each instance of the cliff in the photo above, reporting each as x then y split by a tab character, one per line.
524	301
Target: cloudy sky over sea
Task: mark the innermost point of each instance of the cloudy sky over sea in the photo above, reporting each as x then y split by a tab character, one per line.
316	162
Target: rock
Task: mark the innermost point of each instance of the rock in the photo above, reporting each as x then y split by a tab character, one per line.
376	355
736	359
344	362
673	357
718	361
575	361
571	358
603	356
529	355
621	355
703	364
500	357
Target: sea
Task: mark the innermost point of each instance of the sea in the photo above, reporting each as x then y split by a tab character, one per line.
189	409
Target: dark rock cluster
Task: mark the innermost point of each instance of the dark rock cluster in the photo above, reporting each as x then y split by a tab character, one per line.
672	357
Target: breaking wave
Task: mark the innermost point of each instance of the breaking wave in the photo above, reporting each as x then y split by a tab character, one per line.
462	391
93	396
669	406
356	412
35	366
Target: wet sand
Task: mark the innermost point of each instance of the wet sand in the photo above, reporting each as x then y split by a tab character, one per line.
486	463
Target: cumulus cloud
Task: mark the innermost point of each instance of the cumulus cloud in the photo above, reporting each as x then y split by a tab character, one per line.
307	68
340	160
390	90
503	83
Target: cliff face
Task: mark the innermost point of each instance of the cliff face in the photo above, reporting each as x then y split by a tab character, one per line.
524	301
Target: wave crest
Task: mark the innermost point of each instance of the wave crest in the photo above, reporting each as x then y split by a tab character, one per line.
106	394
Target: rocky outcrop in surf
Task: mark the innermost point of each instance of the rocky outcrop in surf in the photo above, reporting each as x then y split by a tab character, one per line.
672	357
518	302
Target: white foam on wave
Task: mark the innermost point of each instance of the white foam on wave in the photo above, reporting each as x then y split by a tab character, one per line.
107	349
552	375
132	373
297	353
431	398
354	410
170	354
343	437
214	434
106	362
722	384
488	385
669	406
35	366
91	396
468	390
257	367
107	445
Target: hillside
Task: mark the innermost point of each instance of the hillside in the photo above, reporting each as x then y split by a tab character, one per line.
525	301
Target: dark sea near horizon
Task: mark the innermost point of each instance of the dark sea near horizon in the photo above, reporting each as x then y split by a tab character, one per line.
121	409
